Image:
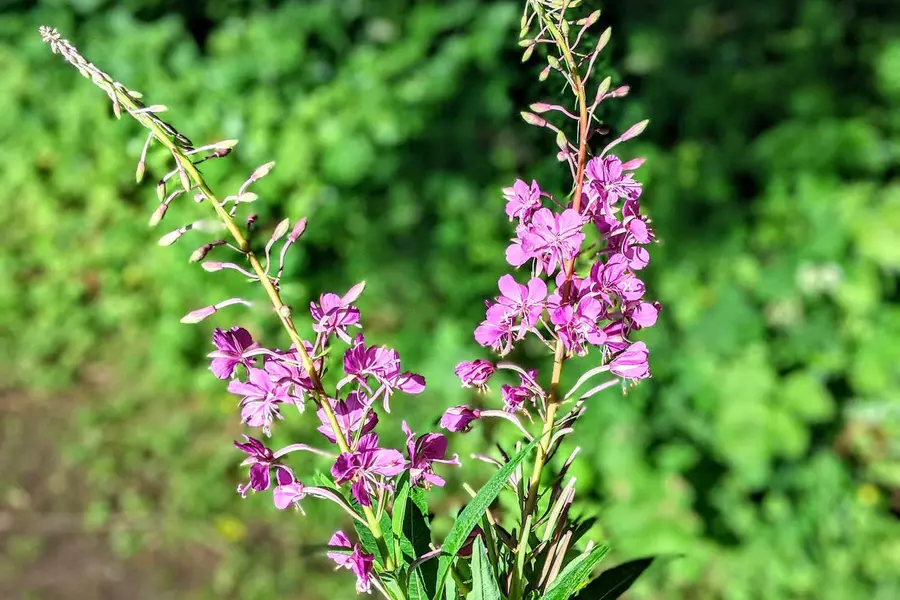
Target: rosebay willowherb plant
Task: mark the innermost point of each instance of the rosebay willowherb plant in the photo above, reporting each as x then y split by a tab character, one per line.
579	294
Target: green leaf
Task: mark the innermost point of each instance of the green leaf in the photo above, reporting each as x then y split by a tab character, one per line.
575	574
367	540
612	583
416	589
471	514
415	539
484	585
400	505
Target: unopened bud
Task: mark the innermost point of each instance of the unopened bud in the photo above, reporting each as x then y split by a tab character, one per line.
161	190
201	252
540	107
533	119
280	230
198	315
171	237
158	215
211	266
604	39
590	19
262	171
528	52
561	141
545	73
185	180
139	173
299	228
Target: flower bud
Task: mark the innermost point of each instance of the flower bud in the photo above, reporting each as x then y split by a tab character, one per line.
299	228
211	266
533	119
172	237
158	215
198	315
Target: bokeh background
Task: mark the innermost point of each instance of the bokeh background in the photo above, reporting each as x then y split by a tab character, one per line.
765	449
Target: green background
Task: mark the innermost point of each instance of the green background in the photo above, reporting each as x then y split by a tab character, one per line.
765	448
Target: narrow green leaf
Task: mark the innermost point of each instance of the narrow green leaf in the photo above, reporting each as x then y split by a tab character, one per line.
416	589
367	540
612	583
415	536
484	585
400	505
575	574
471	514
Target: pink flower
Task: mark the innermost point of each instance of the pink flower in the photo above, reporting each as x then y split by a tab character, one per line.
459	418
383	365
261	397
523	302
428	449
496	331
475	373
231	350
632	363
334	314
261	461
608	174
549	239
578	325
350	414
358	561
522	200
365	466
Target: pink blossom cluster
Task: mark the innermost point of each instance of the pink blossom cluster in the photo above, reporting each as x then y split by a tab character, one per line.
600	309
268	381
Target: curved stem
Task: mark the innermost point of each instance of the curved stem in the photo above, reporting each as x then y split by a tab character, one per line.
282	310
560	352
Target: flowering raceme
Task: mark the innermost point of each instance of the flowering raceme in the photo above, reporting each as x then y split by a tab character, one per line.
573	286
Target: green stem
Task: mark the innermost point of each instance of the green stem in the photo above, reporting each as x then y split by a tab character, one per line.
560	353
283	311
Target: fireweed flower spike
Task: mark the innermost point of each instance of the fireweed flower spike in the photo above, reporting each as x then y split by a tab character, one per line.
576	255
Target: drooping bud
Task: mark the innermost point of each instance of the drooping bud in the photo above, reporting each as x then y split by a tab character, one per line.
279	232
173	236
545	73
158	214
201	252
198	315
533	119
299	228
211	266
185	180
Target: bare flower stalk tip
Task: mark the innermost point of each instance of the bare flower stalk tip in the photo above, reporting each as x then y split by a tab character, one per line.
574	259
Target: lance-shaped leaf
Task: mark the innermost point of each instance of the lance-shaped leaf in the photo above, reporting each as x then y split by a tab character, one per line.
575	574
472	513
612	583
484	584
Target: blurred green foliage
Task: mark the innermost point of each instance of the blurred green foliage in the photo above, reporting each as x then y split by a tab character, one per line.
765	448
